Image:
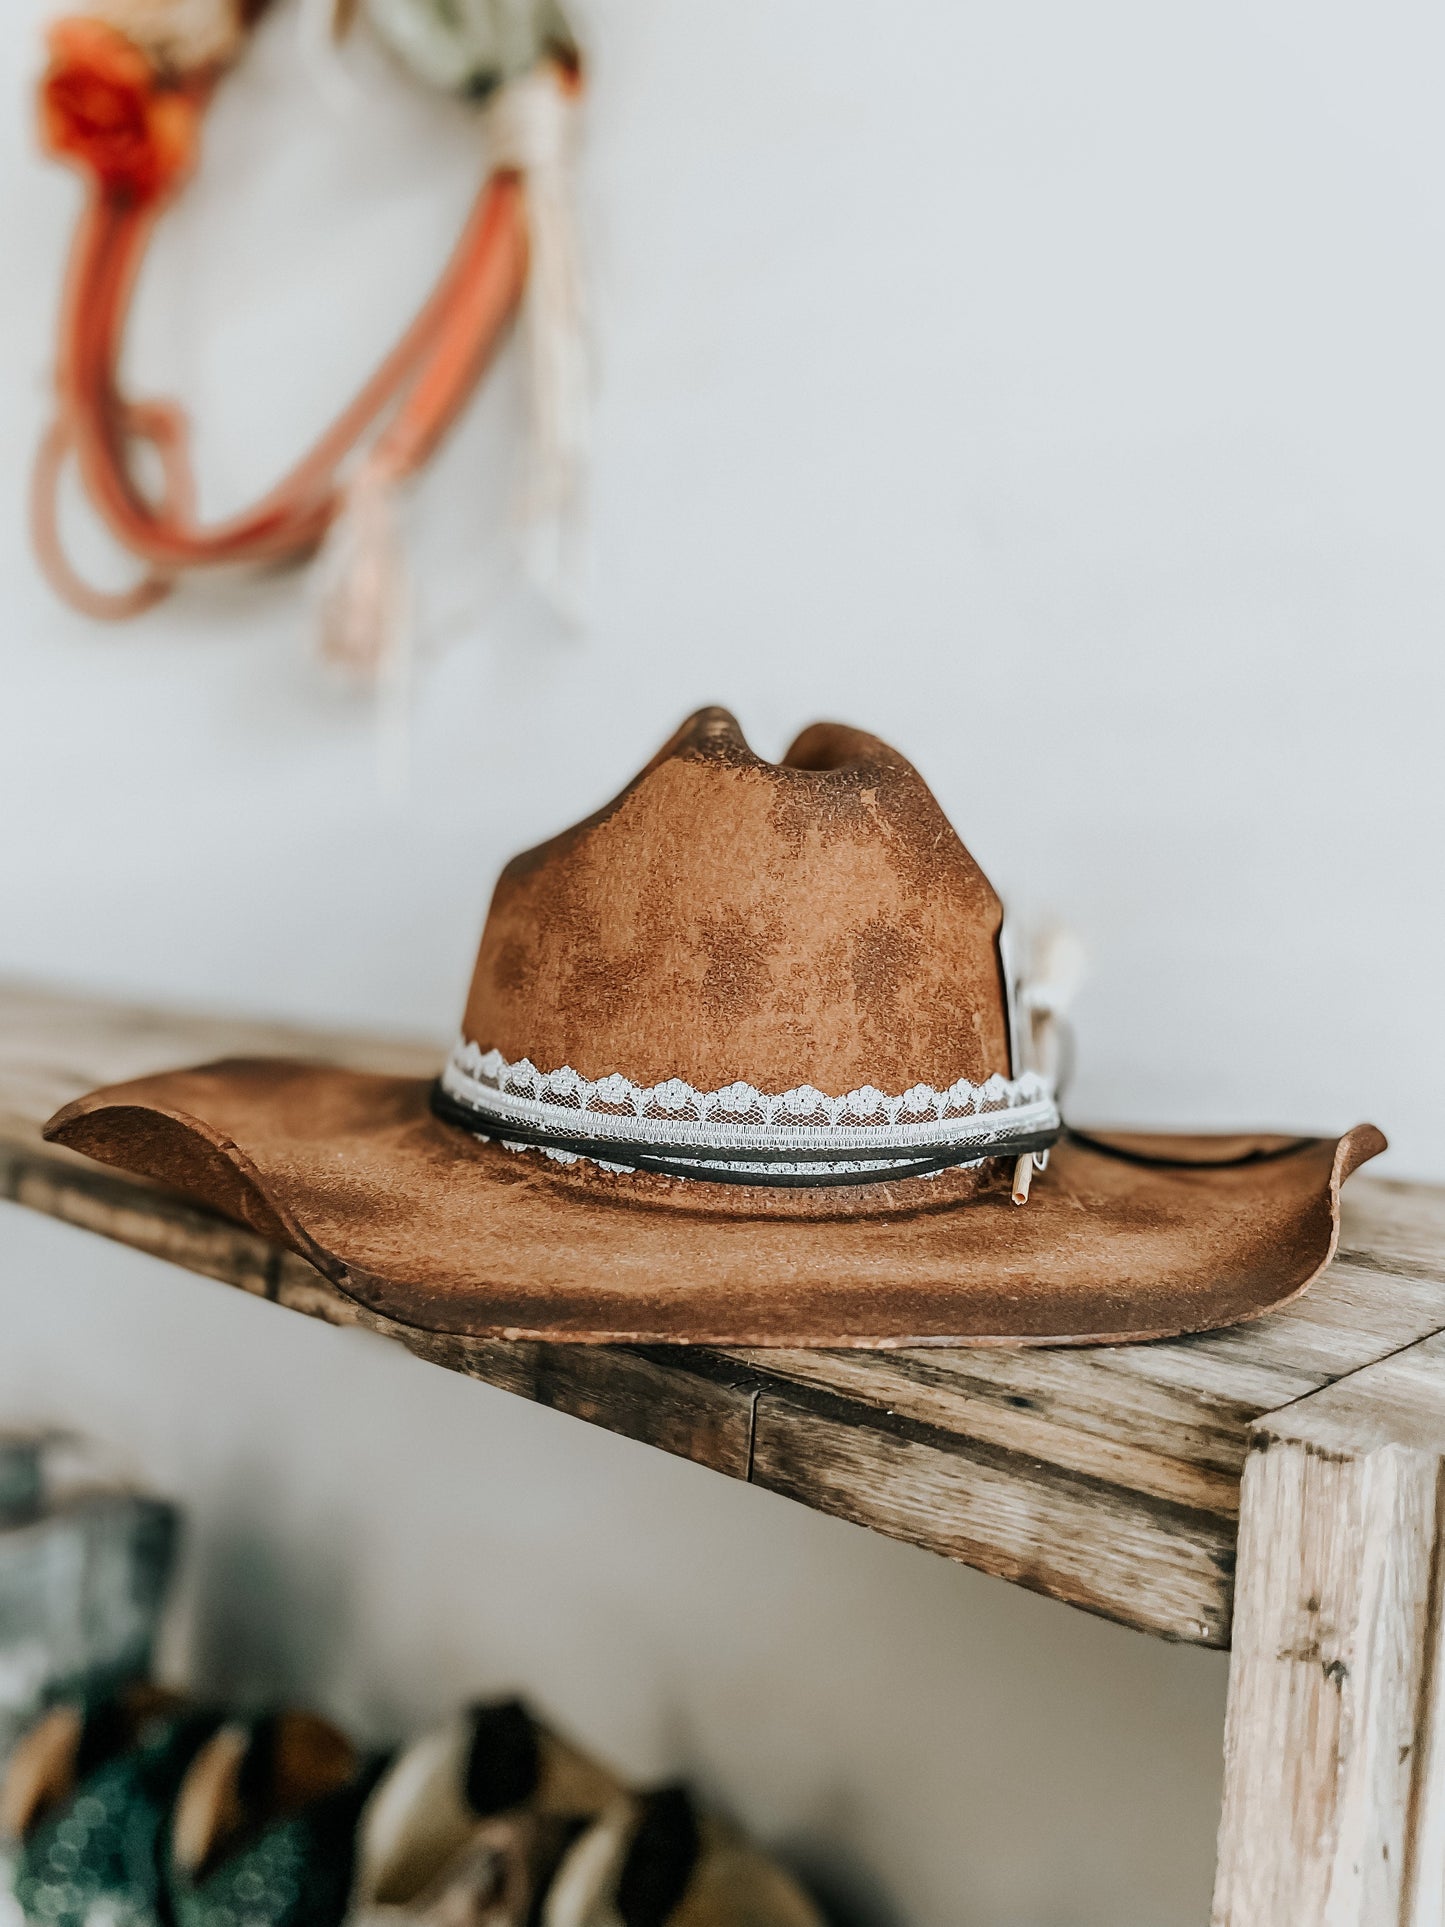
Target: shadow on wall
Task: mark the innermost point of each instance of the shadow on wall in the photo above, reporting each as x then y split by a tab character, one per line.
267	1626
849	1893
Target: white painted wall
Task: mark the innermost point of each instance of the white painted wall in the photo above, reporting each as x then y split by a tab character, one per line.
1054	390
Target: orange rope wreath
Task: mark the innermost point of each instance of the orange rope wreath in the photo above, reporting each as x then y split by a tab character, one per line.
131	123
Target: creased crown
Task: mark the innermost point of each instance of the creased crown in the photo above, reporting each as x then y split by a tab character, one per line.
810	922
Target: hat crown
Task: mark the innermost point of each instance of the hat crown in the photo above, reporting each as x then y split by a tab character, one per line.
730	920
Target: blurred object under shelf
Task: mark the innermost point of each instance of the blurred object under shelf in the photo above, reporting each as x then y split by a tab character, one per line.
84	1572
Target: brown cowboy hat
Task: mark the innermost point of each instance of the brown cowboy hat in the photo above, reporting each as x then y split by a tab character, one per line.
739	1066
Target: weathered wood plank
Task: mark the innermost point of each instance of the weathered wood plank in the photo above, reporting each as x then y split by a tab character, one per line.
1166	1441
694	1404
1334	1807
1106	1476
1149	1562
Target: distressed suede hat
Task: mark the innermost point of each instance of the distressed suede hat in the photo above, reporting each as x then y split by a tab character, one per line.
741	1063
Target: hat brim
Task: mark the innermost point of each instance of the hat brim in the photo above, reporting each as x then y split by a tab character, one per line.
1125	1236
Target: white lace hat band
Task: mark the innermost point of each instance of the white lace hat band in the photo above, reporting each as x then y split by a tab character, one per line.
742	1135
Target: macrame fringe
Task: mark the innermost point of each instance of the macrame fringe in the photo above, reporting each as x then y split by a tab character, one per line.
530	130
362	577
365	627
363	590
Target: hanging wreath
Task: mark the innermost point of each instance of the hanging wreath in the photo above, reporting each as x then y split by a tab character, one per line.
123	99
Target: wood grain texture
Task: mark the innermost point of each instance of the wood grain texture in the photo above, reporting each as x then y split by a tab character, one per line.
1334	1808
1087	1539
1109	1477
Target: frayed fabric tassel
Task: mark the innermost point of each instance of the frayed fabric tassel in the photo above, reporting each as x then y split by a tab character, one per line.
1057	967
530	130
362	581
365	618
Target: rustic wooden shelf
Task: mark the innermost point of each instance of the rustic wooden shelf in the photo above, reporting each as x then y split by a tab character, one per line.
1121	1478
1109	1477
